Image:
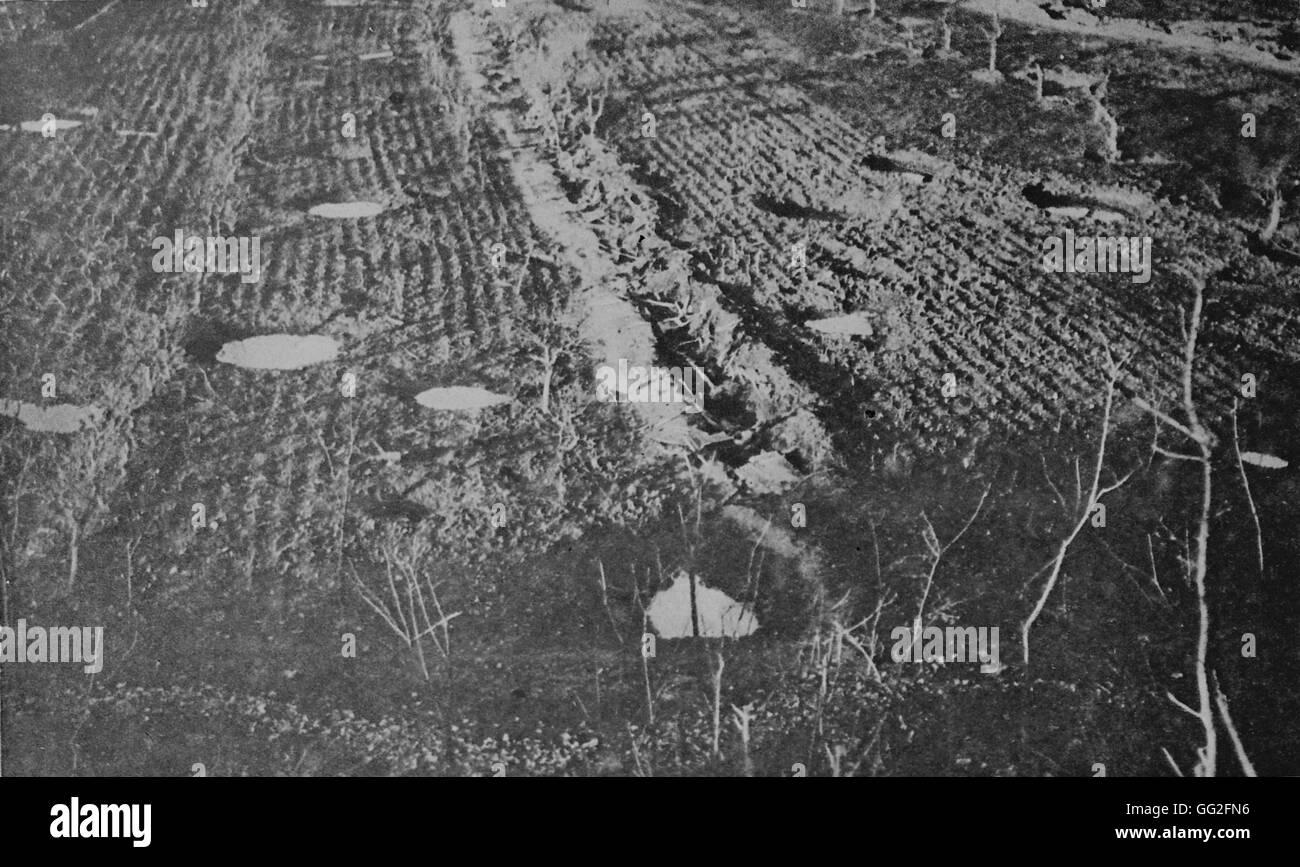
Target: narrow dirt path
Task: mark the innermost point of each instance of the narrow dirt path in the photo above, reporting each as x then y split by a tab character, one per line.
611	326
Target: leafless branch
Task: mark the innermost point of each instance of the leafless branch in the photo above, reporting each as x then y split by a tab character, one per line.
1170	760
1222	700
1245	483
1096	491
937	551
604	598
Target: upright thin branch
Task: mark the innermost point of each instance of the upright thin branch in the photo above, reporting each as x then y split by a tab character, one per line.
645	662
1197	562
604	598
1274	215
717	700
1222	700
407	614
994	32
937	551
1095	493
742	717
1245	483
1203	440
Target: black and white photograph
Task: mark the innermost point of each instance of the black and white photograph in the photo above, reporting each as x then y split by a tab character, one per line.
650	388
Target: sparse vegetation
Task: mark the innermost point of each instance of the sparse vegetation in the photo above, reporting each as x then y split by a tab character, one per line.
490	573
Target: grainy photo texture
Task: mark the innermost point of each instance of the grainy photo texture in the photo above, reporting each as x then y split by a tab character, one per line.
649	388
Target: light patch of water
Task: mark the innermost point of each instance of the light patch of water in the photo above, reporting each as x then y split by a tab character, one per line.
1268	462
718	615
38	125
279	351
460	398
346	210
60	418
848	325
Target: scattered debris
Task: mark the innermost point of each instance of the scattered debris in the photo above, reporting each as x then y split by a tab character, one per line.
676	430
768	473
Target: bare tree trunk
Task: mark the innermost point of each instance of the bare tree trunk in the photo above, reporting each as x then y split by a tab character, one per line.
1245	483
695	612
1274	215
4	588
415	626
347	494
1209	757
645	672
717	701
1194	430
4	621
6	554
1101	115
743	716
1246	767
74	542
548	357
994	33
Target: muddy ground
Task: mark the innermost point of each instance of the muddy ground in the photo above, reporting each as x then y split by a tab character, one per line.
562	185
